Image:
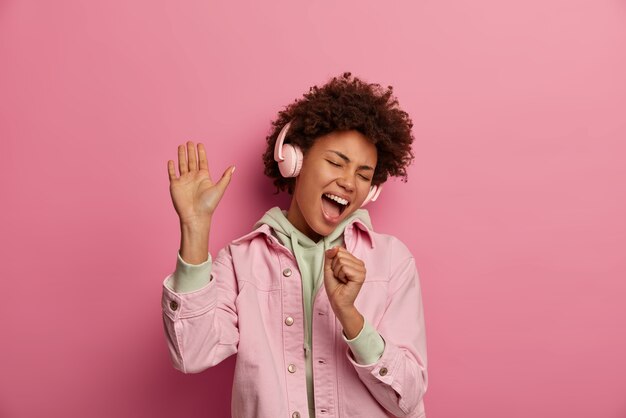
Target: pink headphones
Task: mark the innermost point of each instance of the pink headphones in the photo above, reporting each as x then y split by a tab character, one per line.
289	158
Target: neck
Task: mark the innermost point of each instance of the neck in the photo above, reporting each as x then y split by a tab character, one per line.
294	215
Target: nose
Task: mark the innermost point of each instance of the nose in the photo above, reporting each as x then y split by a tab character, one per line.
346	182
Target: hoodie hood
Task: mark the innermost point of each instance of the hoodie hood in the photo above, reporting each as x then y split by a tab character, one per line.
276	219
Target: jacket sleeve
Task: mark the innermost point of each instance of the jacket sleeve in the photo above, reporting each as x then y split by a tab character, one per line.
201	325
398	379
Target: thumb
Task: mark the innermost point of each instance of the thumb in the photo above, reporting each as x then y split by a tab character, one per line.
225	180
328	257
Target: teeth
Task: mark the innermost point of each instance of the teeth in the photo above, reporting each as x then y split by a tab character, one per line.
336	199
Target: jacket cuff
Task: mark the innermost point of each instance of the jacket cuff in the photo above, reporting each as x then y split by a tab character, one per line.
189	277
381	371
368	346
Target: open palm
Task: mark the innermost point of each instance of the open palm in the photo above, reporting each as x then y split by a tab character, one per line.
194	194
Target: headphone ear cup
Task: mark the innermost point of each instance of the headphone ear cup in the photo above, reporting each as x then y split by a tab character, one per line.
292	163
373	194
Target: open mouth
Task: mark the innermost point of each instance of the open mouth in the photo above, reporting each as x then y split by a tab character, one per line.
333	205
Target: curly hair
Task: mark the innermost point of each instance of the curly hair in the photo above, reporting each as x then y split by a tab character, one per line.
346	103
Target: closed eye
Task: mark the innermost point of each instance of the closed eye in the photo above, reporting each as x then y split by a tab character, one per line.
339	165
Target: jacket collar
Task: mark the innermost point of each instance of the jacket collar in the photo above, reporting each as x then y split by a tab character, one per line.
349	233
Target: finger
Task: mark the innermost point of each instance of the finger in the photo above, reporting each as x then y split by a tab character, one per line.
338	275
191	156
342	280
328	259
345	258
355	264
336	259
353	268
225	180
182	160
171	170
343	273
202	161
342	252
337	269
352	274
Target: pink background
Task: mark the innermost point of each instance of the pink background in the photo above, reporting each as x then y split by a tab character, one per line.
514	209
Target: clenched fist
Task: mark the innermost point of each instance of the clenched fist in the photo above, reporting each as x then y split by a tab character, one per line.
344	275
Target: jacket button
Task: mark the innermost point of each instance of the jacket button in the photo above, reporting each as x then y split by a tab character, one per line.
287	272
173	305
383	371
291	368
289	321
295	415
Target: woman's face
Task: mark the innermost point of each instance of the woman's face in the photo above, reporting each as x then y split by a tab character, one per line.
341	164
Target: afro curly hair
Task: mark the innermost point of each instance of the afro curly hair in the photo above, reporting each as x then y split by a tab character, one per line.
346	103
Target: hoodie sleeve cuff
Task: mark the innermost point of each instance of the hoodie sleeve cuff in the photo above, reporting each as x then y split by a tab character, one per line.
368	346
190	277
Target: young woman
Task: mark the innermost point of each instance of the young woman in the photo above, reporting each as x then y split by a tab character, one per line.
357	348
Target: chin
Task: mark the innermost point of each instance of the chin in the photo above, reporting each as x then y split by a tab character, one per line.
320	228
325	231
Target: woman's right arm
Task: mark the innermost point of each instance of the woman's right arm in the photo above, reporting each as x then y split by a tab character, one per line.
195	197
196	311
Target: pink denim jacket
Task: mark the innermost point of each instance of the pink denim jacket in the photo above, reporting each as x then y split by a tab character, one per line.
255	286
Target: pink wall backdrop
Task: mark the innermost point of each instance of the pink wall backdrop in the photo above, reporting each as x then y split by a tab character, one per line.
514	209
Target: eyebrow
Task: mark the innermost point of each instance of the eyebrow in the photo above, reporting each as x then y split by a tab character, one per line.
346	159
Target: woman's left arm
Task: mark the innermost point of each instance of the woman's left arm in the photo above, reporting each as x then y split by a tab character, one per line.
398	380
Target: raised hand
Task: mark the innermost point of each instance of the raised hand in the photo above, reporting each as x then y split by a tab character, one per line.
194	194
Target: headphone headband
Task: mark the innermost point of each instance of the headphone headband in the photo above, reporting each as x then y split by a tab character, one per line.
278	148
